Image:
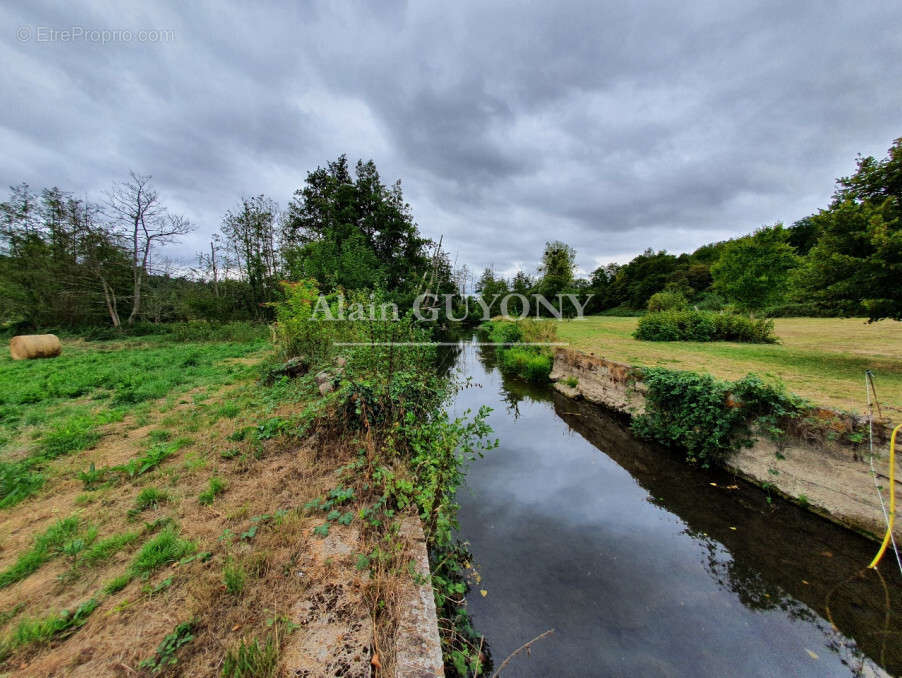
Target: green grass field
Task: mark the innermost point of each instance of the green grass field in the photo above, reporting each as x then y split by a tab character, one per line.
53	408
136	477
821	359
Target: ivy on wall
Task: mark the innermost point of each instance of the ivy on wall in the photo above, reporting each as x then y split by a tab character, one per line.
710	418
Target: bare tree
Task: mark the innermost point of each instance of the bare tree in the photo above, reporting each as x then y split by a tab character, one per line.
103	256
137	208
249	234
462	278
211	265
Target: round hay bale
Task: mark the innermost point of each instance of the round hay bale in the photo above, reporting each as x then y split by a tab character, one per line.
28	346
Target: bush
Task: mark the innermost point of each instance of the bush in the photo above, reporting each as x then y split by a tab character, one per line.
692	325
709	418
501	331
667	301
301	327
529	362
710	301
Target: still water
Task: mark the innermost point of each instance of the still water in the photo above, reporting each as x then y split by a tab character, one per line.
644	566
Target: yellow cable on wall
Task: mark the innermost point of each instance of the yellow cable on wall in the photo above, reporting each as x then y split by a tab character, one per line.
892	499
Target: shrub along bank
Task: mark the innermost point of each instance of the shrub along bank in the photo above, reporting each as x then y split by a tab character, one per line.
708	418
386	406
693	325
517	350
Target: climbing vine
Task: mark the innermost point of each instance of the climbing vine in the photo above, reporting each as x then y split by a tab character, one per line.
709	418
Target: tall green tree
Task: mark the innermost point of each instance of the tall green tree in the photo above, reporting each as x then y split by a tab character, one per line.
875	182
856	265
556	269
803	235
490	285
60	264
633	284
753	272
354	231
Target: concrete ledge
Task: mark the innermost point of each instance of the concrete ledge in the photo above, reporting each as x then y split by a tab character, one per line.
418	649
833	477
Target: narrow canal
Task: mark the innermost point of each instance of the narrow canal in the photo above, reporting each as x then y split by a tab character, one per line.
645	566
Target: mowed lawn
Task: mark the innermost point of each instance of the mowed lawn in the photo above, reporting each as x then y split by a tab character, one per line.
821	359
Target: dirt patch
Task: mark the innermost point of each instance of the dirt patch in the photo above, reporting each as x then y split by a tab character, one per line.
251	360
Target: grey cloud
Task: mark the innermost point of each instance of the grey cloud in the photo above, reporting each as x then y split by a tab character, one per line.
615	127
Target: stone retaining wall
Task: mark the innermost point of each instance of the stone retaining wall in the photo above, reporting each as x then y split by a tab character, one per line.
834	478
418	649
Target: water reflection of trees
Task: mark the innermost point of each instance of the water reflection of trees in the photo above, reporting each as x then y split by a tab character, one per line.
487	357
513	389
753	590
775	560
447	356
757	593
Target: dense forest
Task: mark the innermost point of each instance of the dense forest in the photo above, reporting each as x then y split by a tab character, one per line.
70	263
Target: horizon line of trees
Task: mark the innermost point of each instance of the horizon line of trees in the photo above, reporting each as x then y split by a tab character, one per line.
70	263
845	260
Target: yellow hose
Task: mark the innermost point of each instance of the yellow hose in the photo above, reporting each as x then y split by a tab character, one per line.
892	499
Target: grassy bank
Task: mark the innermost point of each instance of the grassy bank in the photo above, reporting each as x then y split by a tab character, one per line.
820	359
184	507
520	346
152	514
54	408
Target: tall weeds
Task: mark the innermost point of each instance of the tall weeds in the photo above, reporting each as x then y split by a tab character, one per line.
388	412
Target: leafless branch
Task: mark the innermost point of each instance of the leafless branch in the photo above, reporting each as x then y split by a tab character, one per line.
524	646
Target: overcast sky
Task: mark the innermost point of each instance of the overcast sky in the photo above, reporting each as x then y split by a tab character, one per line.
613	128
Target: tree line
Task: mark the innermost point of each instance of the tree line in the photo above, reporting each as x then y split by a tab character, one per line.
67	262
845	260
